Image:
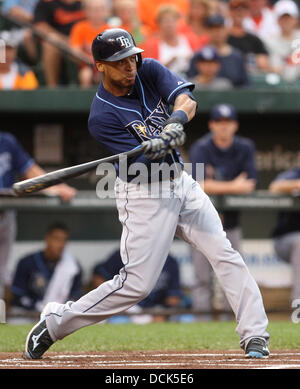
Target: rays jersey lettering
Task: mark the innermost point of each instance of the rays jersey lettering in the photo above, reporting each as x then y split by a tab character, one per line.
152	126
121	123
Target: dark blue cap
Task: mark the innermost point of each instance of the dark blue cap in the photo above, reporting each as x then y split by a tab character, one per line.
215	20
223	111
208	53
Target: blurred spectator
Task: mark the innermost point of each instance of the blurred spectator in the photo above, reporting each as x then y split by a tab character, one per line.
233	65
172	49
286	234
148	10
23	11
251	45
55	18
208	64
51	274
13	73
261	20
166	291
229	168
82	35
194	22
125	15
284	48
15	161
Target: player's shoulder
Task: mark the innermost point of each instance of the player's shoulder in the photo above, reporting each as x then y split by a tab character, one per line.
203	142
101	109
7	138
290	174
149	65
28	261
244	143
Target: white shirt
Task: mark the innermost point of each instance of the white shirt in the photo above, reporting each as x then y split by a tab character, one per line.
267	28
182	52
8	79
285	54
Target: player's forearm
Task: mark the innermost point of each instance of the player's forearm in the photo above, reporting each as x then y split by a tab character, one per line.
51	32
285	186
20	14
186	104
215	187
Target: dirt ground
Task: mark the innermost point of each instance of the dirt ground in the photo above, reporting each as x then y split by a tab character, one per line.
198	359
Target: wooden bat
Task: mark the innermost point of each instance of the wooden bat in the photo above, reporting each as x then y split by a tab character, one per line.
44	181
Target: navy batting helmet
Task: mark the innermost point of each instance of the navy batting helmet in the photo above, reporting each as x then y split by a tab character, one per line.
115	44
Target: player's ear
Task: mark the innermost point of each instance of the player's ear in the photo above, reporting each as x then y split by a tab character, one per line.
99	66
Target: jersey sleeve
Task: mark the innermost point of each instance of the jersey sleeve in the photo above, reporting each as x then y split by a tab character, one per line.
19	286
197	154
21	161
291	174
174	279
167	83
250	164
42	12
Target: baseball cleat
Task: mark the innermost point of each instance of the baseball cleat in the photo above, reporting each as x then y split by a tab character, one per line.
38	341
257	348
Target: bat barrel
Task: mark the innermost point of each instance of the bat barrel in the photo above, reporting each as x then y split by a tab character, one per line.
36	184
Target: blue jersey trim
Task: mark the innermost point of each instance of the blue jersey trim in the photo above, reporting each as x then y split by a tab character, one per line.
143	95
116	106
176	89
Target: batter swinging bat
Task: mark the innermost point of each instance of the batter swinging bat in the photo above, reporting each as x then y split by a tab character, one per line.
36	184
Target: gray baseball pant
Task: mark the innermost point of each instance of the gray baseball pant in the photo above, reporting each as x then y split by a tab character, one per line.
7	238
149	226
203	291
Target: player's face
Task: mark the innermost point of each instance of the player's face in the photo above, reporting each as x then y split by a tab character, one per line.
56	241
223	129
208	68
118	76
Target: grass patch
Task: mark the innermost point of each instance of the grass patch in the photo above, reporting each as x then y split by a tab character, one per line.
159	336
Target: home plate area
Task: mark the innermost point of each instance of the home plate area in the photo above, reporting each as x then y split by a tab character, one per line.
202	359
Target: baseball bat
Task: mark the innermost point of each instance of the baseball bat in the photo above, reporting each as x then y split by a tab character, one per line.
44	181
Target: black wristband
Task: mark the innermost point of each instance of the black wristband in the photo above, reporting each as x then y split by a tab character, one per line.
178	116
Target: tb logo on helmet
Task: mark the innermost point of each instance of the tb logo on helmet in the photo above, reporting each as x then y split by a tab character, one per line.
125	42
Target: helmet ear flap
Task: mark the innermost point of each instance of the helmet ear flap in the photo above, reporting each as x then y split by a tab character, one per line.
139	60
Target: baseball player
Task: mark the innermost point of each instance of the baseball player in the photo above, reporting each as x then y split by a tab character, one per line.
131	108
14	160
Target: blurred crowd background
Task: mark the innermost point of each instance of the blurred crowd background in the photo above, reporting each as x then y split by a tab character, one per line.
219	44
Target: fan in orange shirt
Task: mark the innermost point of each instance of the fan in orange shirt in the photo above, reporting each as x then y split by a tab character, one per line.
14	74
148	10
173	49
83	33
194	22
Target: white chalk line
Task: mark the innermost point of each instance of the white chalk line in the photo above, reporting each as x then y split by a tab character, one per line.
247	363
